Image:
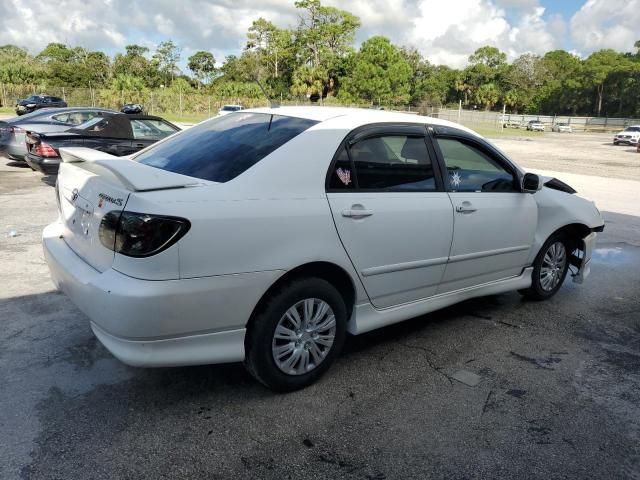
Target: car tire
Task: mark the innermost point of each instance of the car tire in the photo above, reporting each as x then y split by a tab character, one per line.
312	358
549	268
615	143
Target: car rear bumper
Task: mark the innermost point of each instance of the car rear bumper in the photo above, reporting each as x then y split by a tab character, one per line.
48	166
159	323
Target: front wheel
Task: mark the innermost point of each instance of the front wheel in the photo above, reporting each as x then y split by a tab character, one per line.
549	268
296	335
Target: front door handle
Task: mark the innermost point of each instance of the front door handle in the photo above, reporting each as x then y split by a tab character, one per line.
357	211
466	207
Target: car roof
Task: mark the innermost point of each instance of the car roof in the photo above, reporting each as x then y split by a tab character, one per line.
45	112
348	117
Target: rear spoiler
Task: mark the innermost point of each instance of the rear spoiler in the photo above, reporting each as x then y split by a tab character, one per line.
134	176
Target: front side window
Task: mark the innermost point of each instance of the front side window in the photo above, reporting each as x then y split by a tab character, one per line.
471	170
223	148
393	162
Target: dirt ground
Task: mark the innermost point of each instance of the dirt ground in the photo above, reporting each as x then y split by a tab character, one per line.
581	153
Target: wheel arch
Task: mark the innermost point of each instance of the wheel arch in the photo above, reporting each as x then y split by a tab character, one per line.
332	273
575	231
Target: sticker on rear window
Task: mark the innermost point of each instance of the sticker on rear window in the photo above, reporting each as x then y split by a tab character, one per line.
344	175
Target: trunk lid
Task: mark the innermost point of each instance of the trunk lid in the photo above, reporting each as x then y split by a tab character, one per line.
91	184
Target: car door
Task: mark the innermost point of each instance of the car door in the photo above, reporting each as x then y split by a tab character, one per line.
391	211
494	223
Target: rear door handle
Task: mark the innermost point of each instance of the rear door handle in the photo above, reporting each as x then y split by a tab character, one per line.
356	212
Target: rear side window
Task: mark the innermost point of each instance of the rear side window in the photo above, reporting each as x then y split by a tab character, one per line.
148	129
223	148
393	162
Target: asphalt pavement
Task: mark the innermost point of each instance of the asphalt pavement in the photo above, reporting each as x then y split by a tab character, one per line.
496	387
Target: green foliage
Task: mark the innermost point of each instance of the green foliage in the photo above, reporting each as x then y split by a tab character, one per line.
167	57
317	59
203	66
381	74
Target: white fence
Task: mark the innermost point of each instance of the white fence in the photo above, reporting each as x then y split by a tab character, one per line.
495	120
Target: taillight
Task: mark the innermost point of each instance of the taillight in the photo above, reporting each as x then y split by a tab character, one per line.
140	234
45	150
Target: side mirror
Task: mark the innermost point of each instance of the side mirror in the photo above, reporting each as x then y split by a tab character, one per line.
531	183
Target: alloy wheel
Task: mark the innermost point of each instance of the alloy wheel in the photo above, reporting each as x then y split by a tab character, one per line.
553	265
304	336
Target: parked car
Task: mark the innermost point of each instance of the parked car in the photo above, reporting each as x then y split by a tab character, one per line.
561	127
117	134
511	123
36	102
12	131
629	136
535	125
226	109
132	108
266	235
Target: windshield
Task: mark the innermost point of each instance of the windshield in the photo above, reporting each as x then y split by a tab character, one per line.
230	108
223	148
33	98
632	129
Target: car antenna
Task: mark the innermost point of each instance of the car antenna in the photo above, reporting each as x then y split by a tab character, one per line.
272	104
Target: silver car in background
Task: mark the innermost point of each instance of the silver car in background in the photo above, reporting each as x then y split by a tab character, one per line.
12	131
561	127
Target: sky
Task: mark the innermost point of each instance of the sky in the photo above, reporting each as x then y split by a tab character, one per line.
444	31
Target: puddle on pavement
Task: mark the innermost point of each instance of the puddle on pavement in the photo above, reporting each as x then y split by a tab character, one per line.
613	254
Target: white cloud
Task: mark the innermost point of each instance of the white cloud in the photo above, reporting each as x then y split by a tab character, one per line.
449	39
445	31
606	24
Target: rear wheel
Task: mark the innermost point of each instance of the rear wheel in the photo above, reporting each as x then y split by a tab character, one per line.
297	334
549	268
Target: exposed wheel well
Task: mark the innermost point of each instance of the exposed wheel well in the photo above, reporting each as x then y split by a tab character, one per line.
575	231
330	272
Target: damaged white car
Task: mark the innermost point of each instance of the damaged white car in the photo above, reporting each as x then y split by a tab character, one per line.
267	235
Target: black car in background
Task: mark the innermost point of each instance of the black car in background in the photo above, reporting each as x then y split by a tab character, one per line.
132	108
35	102
118	134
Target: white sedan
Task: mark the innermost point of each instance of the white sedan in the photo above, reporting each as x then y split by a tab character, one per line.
267	235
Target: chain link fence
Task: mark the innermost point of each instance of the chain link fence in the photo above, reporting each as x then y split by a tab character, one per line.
483	120
200	105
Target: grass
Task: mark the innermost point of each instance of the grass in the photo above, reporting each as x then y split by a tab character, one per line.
194	118
7	109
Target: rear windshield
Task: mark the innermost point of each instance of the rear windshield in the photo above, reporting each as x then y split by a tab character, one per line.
223	148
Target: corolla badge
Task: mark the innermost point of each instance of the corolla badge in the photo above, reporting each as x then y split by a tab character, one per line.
74	195
103	197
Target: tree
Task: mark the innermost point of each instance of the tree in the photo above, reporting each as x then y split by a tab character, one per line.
487	95
489	56
167	55
522	79
597	69
17	66
203	66
381	73
324	38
